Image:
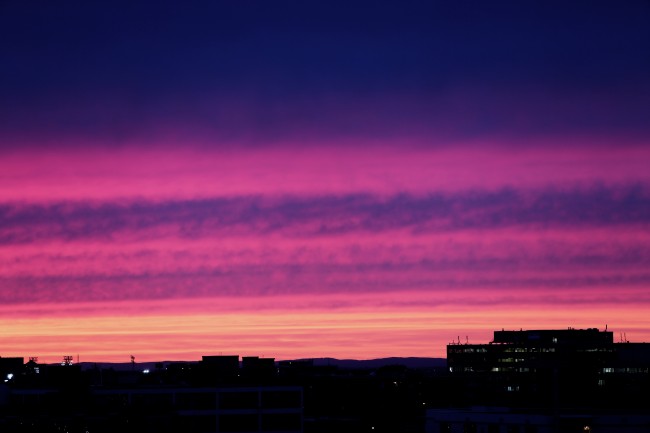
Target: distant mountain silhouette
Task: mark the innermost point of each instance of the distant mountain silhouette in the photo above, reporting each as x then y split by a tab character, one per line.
412	362
409	362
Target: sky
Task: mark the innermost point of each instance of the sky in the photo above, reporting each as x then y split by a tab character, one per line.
310	179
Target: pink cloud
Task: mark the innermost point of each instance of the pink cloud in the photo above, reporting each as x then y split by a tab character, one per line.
302	253
386	168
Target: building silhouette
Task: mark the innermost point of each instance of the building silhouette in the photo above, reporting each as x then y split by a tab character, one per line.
526	381
536	381
205	397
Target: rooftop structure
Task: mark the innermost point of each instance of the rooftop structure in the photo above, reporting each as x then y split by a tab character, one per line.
569	336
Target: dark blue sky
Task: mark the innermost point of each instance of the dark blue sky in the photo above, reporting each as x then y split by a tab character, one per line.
97	68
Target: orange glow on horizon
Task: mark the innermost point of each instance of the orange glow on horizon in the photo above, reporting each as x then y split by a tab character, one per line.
362	332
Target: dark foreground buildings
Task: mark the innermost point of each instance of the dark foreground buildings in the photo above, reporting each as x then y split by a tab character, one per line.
543	381
218	394
214	395
535	381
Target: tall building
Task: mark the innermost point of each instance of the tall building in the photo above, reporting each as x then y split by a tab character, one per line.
567	367
546	381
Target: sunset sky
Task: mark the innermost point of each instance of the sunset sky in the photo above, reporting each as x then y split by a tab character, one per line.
299	179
